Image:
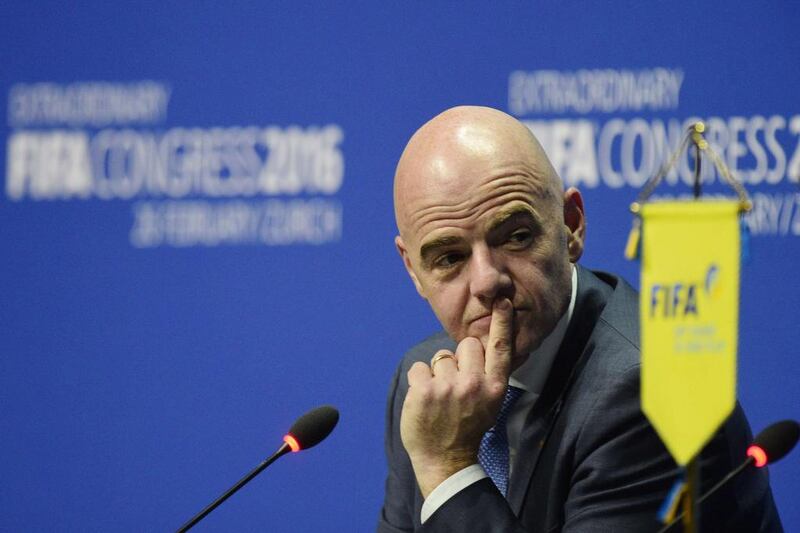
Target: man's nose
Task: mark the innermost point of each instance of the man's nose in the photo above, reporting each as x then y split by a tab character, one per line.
488	275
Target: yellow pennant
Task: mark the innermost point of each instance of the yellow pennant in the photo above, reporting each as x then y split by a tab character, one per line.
689	310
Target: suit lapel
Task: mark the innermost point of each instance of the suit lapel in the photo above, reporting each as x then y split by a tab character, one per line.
534	436
591	298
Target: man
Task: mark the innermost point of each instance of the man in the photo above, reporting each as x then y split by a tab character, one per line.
490	240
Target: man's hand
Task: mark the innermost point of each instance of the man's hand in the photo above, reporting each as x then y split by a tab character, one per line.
446	414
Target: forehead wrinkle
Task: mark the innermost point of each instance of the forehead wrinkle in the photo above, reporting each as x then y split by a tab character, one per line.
443	213
467	210
460	133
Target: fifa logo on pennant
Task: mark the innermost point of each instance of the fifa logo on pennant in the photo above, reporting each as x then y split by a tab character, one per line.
680	299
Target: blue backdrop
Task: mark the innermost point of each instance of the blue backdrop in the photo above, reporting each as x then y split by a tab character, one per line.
196	226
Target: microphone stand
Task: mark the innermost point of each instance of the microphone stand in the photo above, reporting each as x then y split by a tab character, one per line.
704	497
283	450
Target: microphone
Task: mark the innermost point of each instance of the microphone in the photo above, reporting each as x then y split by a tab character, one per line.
307	431
769	446
774	442
311	428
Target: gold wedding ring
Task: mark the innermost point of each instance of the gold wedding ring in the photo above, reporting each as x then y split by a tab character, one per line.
439	356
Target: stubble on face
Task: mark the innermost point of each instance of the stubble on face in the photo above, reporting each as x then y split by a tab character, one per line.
467	163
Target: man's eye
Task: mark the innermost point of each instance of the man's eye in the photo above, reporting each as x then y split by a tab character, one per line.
521	236
449	259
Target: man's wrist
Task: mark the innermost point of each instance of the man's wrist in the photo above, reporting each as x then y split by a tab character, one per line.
449	488
430	473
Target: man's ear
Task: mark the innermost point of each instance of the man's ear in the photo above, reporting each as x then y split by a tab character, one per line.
575	221
403	251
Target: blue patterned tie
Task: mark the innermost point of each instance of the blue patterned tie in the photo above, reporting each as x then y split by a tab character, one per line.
493	452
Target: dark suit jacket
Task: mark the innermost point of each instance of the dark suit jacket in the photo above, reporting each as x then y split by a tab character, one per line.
589	459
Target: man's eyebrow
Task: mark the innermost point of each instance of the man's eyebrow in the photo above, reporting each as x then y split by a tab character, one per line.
507	213
430	247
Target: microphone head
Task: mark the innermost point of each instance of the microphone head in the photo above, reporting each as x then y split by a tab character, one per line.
774	442
311	428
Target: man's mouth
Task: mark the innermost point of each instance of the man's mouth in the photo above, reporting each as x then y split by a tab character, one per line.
483	322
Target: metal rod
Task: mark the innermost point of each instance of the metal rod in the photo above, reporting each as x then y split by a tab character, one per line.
678	519
239	484
696	189
691	503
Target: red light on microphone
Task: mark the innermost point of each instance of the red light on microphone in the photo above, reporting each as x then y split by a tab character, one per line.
293	444
758	454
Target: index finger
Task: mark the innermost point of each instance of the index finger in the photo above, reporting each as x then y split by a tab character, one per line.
500	347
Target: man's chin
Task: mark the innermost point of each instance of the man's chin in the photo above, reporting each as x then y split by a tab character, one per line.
519	359
523	346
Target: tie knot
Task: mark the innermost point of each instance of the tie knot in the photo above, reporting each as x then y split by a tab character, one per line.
512	395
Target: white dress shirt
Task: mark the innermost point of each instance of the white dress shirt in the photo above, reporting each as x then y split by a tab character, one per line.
530	377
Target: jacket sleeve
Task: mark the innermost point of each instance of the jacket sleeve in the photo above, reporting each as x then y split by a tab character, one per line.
622	471
401	486
479	507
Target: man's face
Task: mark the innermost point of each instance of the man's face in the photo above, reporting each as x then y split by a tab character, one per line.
480	226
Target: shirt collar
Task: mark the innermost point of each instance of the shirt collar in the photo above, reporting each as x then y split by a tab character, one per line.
533	373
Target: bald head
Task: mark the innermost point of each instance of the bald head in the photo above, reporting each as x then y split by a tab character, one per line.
455	149
482	217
